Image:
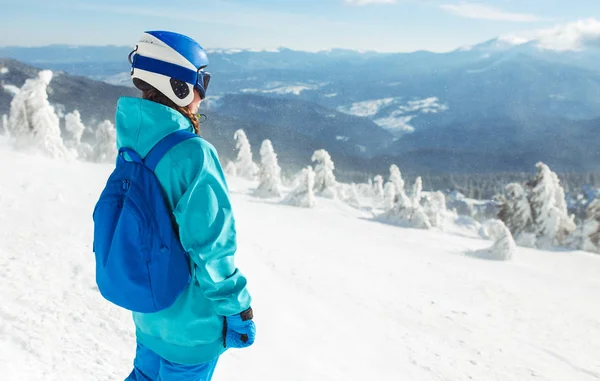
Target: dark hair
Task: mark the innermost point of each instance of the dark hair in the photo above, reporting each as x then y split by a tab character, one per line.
152	94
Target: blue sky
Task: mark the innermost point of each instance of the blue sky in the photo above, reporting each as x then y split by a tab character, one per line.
382	25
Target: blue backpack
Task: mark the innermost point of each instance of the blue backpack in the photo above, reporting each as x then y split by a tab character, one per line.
140	263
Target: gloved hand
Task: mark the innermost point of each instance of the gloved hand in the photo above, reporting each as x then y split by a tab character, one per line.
239	330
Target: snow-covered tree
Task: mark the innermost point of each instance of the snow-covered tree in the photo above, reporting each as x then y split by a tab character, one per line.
353	198
365	190
591	228
378	189
434	206
396	177
230	169
560	200
515	210
4	129
418	219
325	183
550	222
348	193
75	128
270	172
416	193
85	151
245	166
407	213
106	146
303	193
389	196
504	246
32	121
566	223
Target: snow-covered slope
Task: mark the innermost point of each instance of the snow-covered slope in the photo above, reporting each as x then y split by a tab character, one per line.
336	295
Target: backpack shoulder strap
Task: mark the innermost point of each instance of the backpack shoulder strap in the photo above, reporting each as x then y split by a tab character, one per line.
164	145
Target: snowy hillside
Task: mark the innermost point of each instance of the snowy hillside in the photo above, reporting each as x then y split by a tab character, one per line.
337	296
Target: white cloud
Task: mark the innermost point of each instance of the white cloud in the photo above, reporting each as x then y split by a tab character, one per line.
369	2
570	37
486	12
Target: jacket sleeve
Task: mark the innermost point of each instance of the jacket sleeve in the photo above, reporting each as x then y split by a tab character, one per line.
207	231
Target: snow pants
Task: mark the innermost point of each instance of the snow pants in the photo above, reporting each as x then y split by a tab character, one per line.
148	366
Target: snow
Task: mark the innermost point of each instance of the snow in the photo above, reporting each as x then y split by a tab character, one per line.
282	90
212	102
426	106
367	108
346	298
513	40
398	120
11	89
121	79
3	70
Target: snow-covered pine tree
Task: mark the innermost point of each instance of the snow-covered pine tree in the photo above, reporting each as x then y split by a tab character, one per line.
559	195
389	196
303	193
32	121
406	214
567	224
230	169
416	193
353	197
378	189
245	166
396	179
545	219
325	183
434	206
106	145
550	223
419	220
270	172
348	193
504	246
591	228
75	128
515	210
4	129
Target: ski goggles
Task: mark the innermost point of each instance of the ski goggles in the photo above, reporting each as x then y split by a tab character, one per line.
199	79
202	82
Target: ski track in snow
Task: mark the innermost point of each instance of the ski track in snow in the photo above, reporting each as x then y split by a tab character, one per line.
336	295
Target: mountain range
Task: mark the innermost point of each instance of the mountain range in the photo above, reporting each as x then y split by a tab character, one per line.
499	106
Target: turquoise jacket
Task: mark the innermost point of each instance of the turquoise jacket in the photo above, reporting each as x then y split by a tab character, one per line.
191	330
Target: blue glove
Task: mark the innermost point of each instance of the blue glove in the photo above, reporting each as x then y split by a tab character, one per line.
239	330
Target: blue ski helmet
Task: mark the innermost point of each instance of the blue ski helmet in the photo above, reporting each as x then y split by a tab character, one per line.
172	63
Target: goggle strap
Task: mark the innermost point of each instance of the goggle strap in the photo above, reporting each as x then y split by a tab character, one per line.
165	68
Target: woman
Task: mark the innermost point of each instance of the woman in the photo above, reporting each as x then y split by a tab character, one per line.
184	341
